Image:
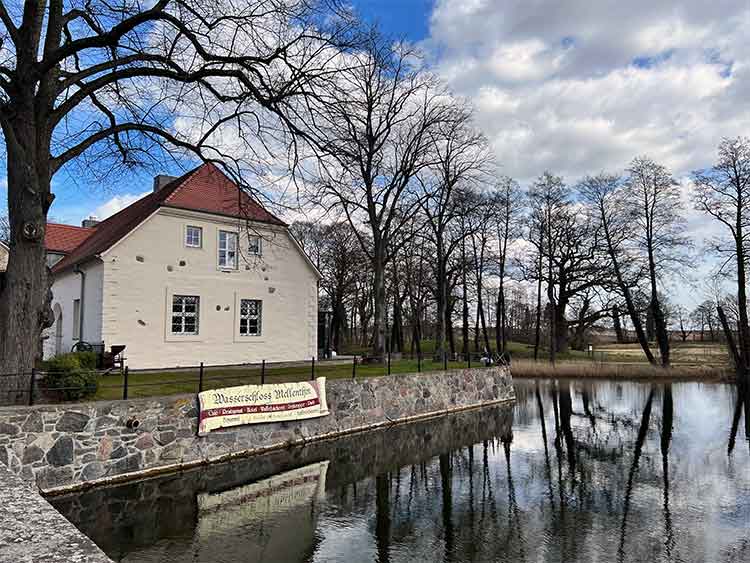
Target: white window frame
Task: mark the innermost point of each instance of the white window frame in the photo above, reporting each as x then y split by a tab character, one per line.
227	249
251	239
183	314
187	236
76	319
248	317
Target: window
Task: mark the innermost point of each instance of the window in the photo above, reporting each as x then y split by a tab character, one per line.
250	315
254	245
76	319
185	309
228	250
193	236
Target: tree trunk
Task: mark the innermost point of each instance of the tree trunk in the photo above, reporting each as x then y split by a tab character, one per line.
650	324
743	329
442	300
465	312
25	300
485	336
378	336
538	331
662	336
635	317
562	338
617	325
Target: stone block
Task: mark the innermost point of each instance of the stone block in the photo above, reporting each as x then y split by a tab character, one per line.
72	421
32	454
9	429
93	470
33	423
61	453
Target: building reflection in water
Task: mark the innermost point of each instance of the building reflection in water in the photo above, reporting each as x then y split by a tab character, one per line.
579	471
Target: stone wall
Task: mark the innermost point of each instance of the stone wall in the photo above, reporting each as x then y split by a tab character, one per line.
138	514
31	531
61	446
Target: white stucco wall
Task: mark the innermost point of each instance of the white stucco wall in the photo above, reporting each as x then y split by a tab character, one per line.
142	273
65	289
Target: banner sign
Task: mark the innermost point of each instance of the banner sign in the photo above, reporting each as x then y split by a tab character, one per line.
252	404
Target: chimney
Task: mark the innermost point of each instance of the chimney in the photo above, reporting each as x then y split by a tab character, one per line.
162	180
91	222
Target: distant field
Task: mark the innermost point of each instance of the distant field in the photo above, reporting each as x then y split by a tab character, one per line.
688	353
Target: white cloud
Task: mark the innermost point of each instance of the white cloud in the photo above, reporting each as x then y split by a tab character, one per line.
115	204
581	86
578	87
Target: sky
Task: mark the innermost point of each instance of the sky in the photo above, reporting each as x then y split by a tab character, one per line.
571	86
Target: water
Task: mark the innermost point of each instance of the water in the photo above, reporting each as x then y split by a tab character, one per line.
576	471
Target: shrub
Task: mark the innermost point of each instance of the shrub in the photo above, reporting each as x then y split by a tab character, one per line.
71	376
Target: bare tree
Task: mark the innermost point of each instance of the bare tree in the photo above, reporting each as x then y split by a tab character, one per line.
655	201
723	193
704	315
459	156
509	206
480	220
373	129
102	83
607	206
548	196
682	321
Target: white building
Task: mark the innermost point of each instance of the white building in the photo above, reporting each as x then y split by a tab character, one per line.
196	271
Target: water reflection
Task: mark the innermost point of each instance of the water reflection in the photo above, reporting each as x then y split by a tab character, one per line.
587	471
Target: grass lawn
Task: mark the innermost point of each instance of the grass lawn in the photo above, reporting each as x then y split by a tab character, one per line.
152	384
690	359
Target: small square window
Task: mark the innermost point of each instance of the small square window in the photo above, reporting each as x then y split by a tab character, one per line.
255	246
193	236
251	311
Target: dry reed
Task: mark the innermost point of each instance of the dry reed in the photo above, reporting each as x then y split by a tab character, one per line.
624	370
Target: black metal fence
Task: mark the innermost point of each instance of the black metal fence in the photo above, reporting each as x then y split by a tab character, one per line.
37	387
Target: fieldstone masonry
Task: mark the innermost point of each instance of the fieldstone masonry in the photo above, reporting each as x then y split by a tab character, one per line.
61	446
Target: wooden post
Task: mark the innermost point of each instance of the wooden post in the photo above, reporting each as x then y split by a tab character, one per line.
200	379
419	363
468	358
445	361
354	368
125	385
312	371
263	372
389	361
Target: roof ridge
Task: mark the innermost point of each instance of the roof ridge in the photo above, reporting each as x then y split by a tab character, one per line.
70	226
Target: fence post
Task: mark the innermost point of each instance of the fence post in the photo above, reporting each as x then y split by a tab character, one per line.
354	368
445	361
419	362
31	387
389	361
125	385
263	372
468	356
200	379
312	371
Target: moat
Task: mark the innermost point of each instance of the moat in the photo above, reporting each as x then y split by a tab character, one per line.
574	471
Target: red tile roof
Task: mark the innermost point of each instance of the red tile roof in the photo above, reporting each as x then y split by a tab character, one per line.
205	188
65	238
